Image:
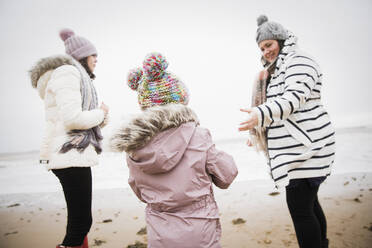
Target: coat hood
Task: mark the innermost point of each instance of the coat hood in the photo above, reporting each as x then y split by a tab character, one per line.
40	73
156	139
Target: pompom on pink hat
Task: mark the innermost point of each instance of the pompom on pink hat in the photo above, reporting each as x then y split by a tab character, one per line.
76	46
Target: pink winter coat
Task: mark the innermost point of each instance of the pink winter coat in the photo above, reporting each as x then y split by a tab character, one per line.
172	170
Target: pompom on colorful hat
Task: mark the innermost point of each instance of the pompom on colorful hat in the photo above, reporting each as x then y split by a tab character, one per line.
155	85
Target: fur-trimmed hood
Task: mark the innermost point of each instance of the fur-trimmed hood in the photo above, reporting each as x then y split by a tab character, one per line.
47	64
40	73
157	139
141	129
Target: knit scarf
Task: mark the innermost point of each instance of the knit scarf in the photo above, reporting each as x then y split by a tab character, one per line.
80	139
258	134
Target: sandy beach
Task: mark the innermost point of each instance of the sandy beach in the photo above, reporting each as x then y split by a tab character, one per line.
252	213
38	220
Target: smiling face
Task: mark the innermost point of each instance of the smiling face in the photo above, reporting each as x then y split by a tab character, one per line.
270	49
91	62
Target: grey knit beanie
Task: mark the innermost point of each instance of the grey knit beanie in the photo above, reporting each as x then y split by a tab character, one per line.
269	30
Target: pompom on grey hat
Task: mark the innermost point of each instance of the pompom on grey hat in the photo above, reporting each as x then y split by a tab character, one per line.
269	30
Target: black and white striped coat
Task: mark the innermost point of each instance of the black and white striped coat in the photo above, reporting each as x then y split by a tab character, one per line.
301	139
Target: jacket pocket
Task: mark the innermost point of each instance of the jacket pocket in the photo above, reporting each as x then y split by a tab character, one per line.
297	132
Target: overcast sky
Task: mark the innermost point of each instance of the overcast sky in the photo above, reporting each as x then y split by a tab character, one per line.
210	45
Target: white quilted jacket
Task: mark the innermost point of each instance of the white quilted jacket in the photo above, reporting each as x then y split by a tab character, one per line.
58	84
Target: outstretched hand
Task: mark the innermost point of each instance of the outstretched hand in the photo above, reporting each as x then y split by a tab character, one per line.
251	122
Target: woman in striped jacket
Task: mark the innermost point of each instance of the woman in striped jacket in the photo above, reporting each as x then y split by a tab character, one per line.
289	123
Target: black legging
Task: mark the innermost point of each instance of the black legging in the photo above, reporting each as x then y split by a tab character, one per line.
77	187
307	215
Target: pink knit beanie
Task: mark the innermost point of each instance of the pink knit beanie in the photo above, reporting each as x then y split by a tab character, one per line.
76	46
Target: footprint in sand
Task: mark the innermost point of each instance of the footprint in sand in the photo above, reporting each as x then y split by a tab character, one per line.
286	243
267	241
99	242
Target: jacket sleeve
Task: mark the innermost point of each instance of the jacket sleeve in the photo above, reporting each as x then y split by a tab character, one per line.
220	166
132	184
65	83
300	78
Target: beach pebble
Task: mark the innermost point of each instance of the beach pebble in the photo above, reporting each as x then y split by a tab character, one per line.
13	205
15	232
274	193
142	231
138	244
238	221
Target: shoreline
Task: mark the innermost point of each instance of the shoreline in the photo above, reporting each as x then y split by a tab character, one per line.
34	154
118	215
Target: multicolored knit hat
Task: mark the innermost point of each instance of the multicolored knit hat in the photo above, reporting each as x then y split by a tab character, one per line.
156	86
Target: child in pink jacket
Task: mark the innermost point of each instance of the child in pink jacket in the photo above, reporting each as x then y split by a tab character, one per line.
173	161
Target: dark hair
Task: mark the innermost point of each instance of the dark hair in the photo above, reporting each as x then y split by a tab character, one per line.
281	44
84	63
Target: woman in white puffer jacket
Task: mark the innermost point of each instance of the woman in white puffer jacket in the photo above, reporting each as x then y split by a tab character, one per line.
73	120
